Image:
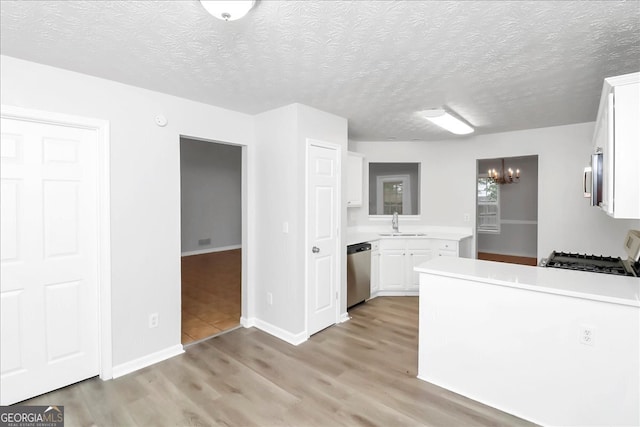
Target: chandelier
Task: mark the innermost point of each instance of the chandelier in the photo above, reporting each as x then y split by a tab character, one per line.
504	176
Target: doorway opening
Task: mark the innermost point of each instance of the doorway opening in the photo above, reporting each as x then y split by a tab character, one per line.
507	210
211	196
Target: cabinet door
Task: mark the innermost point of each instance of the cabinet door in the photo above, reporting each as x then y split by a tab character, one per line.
375	272
603	139
626	152
416	257
392	269
354	180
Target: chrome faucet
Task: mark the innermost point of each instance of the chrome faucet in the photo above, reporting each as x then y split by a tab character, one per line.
394	222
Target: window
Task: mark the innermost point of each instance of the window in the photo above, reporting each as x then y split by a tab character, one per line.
393	195
394	187
488	205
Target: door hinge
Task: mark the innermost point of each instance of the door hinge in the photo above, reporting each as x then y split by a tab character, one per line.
336	295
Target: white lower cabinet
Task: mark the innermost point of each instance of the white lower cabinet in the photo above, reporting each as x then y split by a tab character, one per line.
416	257
398	257
393	262
375	268
392	270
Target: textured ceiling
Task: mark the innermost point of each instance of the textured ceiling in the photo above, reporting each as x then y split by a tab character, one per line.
502	65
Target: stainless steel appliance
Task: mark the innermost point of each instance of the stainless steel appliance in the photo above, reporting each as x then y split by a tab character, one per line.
592	179
599	263
358	273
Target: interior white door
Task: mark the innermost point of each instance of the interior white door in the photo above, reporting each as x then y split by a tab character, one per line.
322	235
49	248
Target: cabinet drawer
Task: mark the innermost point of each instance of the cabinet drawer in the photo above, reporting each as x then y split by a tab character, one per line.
375	245
447	253
418	244
392	244
446	245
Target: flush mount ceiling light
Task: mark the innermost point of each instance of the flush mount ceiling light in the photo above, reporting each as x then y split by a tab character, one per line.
446	121
229	10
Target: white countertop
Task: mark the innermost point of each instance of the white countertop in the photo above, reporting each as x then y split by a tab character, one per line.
579	284
354	237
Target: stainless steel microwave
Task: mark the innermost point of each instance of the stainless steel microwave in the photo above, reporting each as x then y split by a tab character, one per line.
592	179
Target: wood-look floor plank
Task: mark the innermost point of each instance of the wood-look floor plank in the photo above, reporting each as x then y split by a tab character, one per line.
358	373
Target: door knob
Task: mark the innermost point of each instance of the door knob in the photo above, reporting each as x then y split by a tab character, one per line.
315	250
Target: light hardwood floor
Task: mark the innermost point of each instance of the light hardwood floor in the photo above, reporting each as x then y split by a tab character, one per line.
358	373
210	294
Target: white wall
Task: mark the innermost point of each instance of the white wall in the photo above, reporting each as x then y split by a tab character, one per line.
518	210
211	190
282	135
145	187
565	220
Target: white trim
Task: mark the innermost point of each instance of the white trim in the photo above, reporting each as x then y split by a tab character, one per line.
339	248
211	250
101	127
286	336
397	294
344	317
512	253
248	322
518	222
148	360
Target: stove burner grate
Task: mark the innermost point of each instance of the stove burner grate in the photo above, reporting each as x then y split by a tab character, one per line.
589	263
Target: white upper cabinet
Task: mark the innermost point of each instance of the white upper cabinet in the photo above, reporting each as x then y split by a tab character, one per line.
617	133
354	179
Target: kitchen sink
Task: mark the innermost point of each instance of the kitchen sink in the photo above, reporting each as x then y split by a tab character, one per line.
402	234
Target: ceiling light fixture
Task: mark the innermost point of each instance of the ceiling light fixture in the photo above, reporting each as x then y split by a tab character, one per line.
229	10
446	121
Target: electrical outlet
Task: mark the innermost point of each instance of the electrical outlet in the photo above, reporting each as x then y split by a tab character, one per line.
153	320
587	335
269	298
466	217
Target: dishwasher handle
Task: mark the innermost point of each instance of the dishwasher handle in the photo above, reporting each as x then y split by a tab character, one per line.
360	247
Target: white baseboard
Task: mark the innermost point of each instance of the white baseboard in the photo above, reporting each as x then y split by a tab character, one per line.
397	293
248	322
286	336
148	360
211	250
344	317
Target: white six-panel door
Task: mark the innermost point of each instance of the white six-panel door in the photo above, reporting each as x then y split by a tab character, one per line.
49	266
323	198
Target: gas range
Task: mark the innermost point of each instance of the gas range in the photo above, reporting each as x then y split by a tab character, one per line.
599	263
590	263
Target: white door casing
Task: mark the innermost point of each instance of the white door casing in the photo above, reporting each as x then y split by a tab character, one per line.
54	292
322	239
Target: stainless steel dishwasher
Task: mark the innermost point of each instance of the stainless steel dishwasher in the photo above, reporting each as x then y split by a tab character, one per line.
358	273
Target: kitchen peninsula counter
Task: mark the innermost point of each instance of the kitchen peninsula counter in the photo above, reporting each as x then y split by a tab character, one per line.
578	284
552	346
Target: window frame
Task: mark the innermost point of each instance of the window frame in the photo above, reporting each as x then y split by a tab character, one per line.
484	229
